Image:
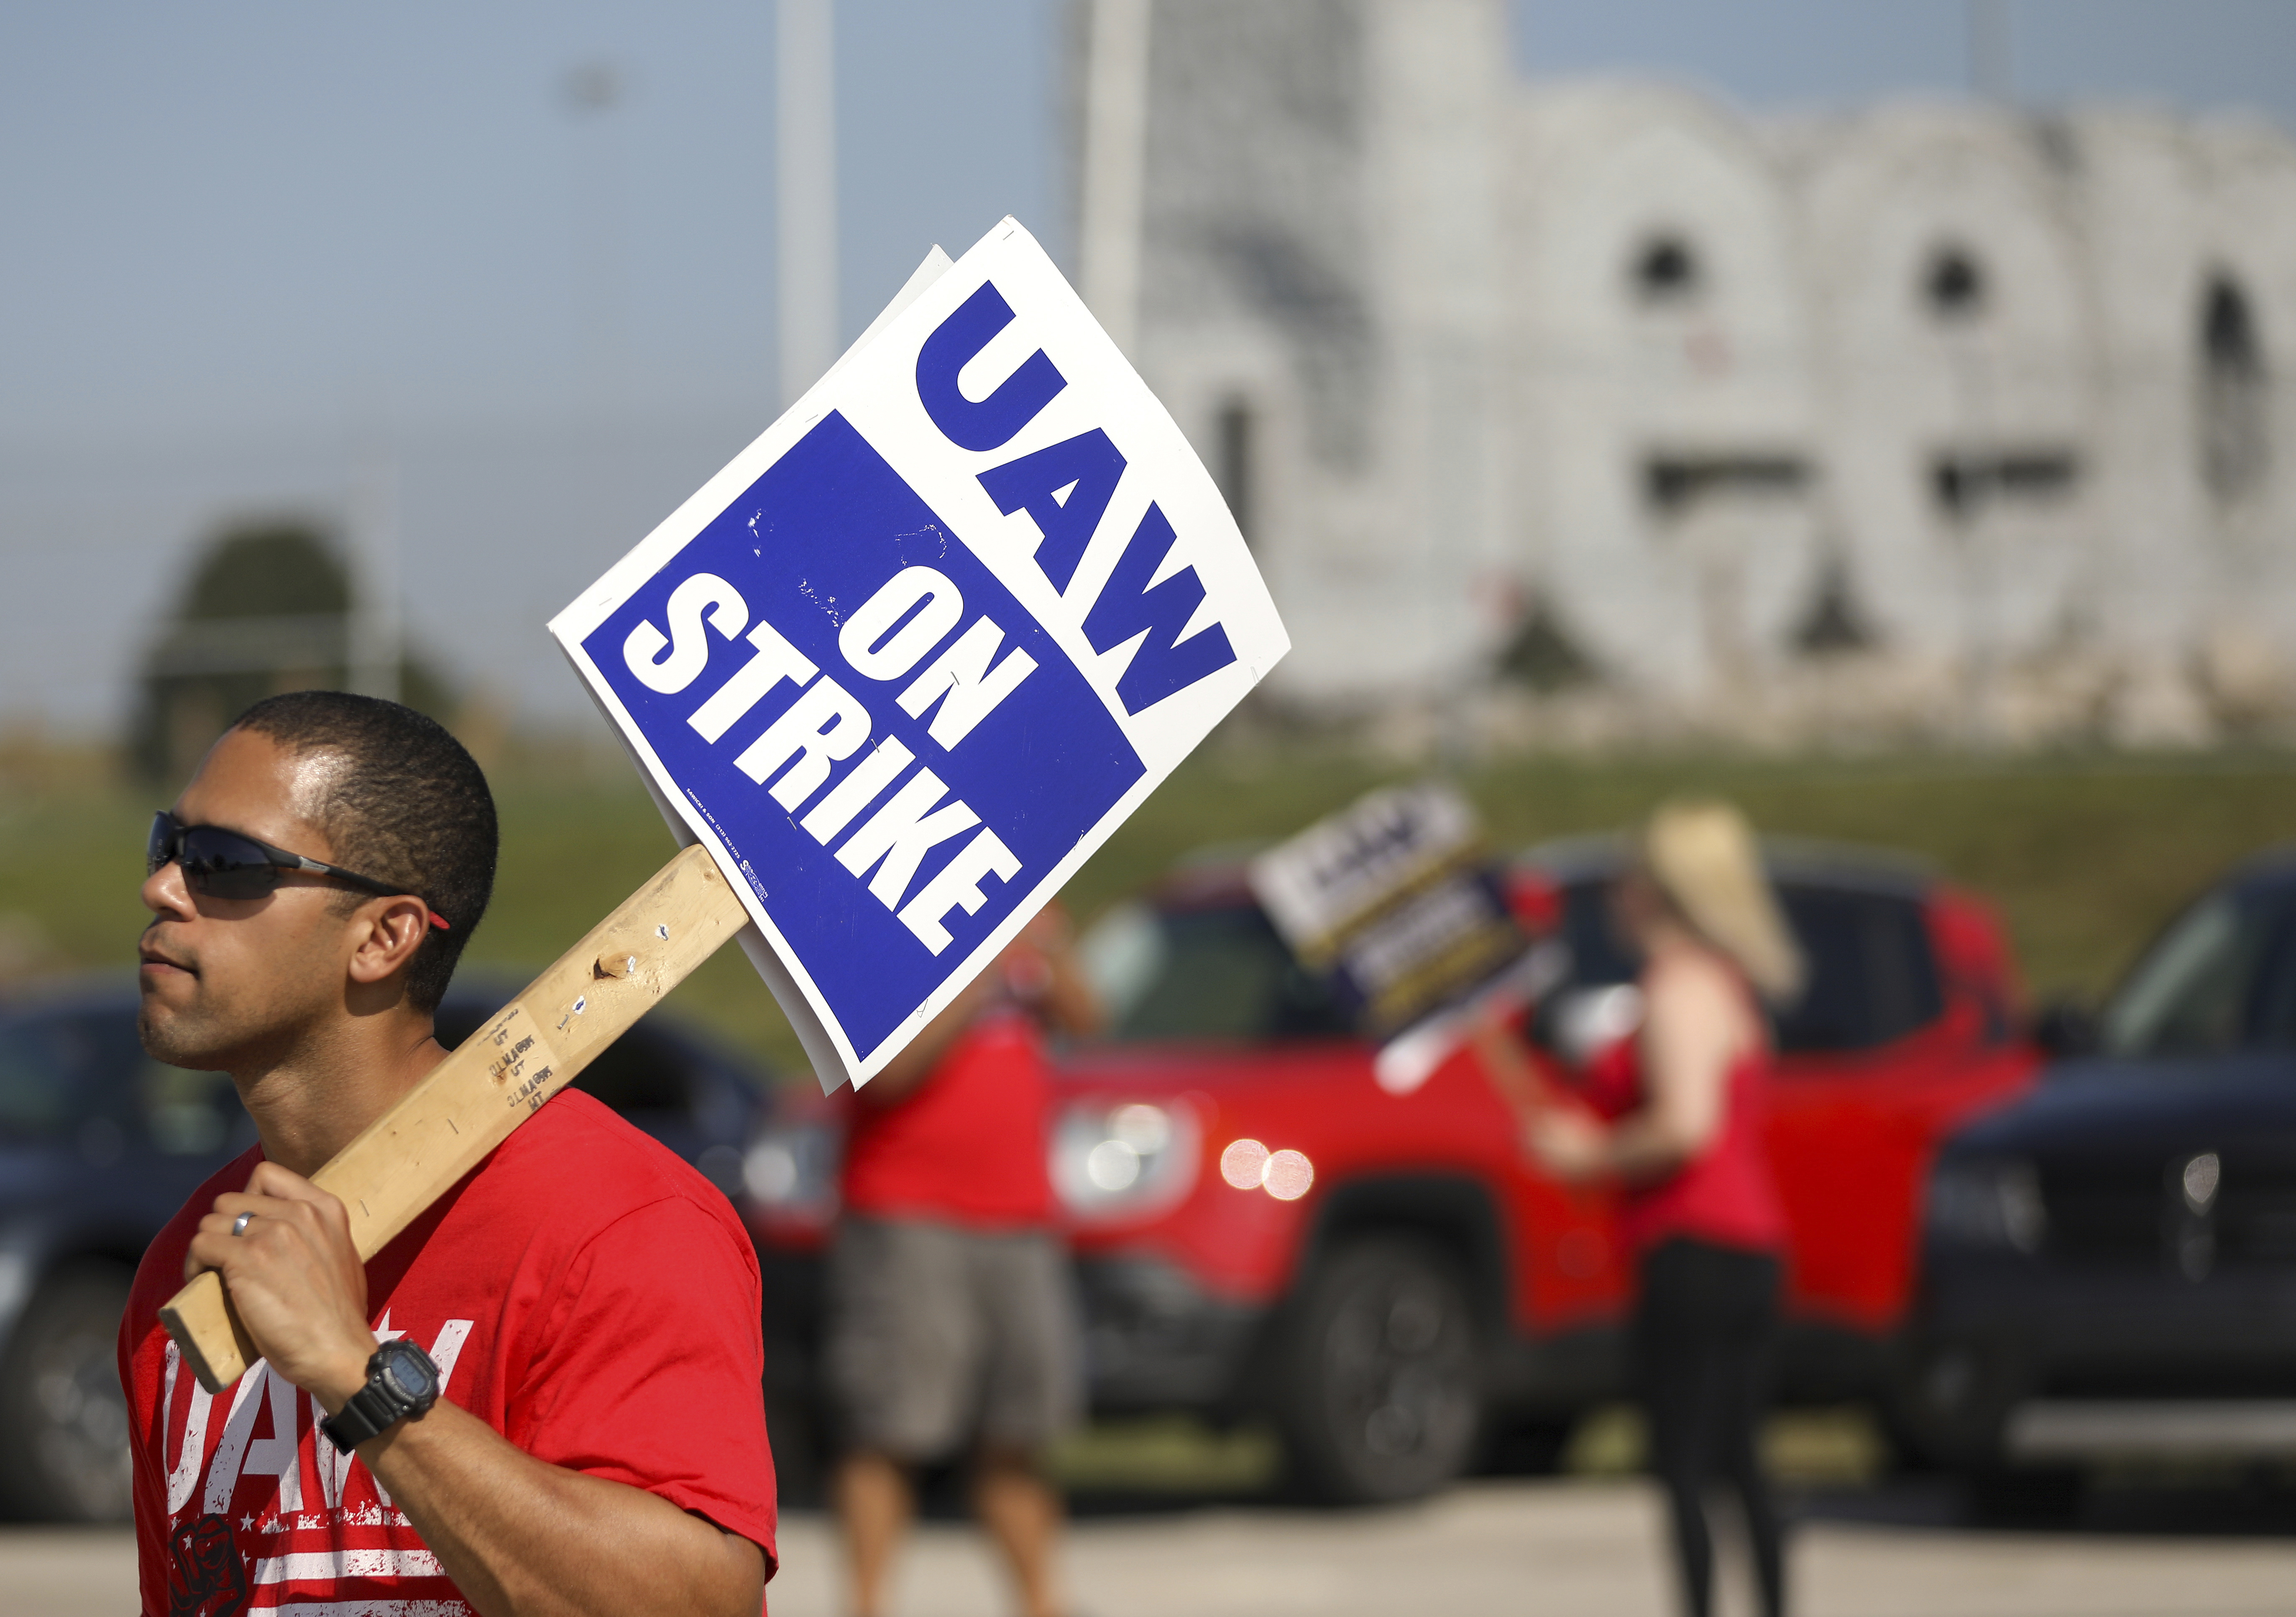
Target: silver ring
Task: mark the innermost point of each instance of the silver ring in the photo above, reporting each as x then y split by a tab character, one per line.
239	1225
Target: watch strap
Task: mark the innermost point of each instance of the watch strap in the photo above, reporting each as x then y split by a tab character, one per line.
364	1414
374	1408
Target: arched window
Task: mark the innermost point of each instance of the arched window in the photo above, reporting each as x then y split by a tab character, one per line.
1666	269
2235	442
1954	284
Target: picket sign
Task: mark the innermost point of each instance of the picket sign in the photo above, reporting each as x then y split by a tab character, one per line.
891	676
1394	901
907	661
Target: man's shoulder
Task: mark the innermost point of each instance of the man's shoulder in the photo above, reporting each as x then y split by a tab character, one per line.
583	1166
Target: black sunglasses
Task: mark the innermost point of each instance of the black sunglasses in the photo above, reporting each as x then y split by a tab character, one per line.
220	864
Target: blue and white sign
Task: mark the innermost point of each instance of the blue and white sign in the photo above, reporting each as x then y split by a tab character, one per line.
907	660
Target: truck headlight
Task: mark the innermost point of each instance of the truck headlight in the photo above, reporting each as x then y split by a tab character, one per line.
1987	1202
1130	1160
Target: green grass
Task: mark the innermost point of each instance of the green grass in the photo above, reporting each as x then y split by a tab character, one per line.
2085	855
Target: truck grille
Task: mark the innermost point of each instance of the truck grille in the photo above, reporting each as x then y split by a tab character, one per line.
2108	1212
2256	1219
2135	1212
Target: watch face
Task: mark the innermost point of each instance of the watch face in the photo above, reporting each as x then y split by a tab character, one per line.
409	1371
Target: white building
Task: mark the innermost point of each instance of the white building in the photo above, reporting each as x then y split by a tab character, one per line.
1937	417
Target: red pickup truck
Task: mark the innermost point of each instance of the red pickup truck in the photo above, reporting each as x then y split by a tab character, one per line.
1260	1230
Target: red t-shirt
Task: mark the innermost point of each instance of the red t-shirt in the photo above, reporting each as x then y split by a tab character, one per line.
1725	1195
583	1291
967	1147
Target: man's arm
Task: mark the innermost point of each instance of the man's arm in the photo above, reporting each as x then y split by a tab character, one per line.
519	1537
900	1076
1065	1001
1040	966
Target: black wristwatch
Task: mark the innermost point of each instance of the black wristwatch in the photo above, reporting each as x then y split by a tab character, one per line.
401	1383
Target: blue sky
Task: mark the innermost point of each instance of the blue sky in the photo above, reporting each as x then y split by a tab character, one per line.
248	242
251	211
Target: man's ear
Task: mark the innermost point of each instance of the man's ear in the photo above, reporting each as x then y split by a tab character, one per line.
390	929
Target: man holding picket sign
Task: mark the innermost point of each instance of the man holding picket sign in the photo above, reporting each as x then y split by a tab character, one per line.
544	1395
892	674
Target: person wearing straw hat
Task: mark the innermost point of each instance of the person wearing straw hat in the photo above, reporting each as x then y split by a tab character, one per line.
1673	1115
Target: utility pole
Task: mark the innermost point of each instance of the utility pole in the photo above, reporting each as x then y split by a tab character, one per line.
1992	69
592	94
1115	165
376	637
805	125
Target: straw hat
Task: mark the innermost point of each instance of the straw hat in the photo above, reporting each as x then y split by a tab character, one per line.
1701	854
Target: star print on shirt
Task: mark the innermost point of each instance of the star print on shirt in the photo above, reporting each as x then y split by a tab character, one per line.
247	1523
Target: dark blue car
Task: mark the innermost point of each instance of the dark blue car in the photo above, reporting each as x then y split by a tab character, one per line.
100	1145
2111	1267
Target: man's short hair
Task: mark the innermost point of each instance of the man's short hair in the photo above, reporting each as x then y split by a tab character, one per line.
408	806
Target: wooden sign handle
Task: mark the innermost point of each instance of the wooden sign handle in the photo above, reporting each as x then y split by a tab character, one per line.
469	1103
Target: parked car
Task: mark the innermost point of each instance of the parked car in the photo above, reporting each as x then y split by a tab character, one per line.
99	1147
1260	1229
2111	1266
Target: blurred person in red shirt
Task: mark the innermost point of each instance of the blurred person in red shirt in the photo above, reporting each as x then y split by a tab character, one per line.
951	1317
1673	1114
